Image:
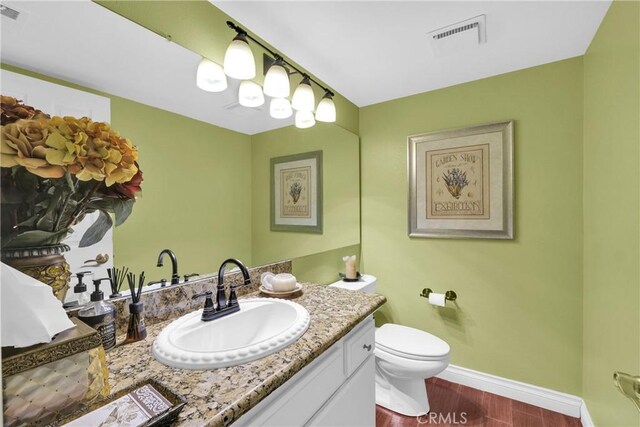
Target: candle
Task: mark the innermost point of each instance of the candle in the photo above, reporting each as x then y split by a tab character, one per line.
350	266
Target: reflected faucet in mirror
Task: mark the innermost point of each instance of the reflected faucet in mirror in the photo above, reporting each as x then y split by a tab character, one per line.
175	277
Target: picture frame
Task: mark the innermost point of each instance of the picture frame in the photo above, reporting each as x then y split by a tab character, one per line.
461	183
296	193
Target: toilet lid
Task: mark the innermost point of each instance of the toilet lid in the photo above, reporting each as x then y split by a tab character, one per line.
413	343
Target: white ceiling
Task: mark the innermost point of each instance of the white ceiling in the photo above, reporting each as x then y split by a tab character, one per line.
86	44
369	51
374	51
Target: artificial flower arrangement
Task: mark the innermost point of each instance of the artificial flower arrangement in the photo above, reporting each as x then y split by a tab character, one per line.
55	170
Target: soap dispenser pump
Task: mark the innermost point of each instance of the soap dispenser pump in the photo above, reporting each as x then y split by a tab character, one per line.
101	316
80	289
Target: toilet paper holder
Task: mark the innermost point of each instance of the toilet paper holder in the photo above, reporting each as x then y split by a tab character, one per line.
449	295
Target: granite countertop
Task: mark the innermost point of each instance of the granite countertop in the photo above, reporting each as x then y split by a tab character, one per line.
218	397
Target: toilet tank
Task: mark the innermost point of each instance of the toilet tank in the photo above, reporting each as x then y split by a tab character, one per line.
367	283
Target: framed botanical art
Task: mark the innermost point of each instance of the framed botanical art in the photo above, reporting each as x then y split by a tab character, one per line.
296	193
461	183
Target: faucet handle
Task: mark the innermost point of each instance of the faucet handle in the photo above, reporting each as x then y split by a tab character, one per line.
203	294
209	307
187	276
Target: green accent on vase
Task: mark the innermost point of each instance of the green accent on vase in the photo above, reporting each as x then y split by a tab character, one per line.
611	214
519	307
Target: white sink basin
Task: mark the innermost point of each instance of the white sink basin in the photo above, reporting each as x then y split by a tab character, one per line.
261	327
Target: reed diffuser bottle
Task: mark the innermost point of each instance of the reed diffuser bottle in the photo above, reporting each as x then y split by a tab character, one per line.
136	331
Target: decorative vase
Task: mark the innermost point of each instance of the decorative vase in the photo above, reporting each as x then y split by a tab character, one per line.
44	263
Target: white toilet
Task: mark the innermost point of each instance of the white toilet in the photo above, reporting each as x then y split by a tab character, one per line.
405	357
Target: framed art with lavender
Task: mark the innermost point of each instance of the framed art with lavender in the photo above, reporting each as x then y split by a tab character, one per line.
461	183
296	193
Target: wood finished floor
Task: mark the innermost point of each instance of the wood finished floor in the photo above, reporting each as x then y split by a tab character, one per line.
480	409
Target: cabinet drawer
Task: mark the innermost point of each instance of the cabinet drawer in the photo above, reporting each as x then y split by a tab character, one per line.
361	345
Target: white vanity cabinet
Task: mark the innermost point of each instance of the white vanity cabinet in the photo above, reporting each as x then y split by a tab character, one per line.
336	389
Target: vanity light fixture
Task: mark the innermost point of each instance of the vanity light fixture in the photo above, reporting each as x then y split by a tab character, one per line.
210	76
303	98
326	111
276	81
238	60
304	119
250	94
280	108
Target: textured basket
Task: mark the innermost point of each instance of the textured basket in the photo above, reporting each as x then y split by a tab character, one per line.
44	382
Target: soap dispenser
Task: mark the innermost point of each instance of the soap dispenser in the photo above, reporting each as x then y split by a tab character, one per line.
101	316
80	289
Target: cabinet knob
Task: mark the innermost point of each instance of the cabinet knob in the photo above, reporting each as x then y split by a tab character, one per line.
367	347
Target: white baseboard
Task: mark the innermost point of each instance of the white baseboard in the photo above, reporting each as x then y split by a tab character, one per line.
585	417
552	400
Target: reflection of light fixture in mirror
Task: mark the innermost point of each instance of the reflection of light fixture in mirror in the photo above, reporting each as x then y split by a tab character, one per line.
210	76
326	111
303	99
280	108
276	81
304	119
250	94
238	60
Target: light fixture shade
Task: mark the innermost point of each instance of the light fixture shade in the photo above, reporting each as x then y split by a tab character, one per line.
210	76
276	82
280	108
304	119
303	98
238	60
250	94
326	111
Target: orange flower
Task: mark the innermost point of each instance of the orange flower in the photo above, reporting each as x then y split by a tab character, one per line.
24	143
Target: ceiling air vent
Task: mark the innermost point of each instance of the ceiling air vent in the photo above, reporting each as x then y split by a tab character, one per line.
458	37
8	12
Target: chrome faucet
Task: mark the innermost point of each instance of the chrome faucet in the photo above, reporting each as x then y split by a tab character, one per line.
222	307
175	277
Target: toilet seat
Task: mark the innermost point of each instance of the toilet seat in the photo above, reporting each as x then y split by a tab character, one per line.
410	343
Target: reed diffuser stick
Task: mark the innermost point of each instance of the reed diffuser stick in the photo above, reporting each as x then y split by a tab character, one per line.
116	279
136	330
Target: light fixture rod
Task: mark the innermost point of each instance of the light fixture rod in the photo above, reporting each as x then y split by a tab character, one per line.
277	56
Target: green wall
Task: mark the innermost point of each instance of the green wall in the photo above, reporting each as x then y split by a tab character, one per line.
193	200
341	188
519	308
611	209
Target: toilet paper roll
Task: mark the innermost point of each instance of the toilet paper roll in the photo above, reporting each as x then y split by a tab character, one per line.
436	299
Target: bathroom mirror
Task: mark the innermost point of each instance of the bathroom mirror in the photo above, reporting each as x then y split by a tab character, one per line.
205	159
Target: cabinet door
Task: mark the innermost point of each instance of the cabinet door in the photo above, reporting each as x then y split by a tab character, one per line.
57	100
354	404
294	402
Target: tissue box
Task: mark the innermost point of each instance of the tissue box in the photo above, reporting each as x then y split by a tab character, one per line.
46	381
